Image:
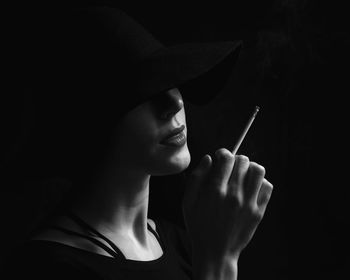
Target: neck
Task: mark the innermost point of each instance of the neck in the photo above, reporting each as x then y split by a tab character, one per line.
117	204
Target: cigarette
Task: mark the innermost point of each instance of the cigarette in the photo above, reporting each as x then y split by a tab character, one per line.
241	138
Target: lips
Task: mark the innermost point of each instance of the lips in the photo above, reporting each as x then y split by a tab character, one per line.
175	137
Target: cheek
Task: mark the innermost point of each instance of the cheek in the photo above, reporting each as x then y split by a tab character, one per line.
143	142
134	142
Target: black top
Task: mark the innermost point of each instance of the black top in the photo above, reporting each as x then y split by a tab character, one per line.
42	259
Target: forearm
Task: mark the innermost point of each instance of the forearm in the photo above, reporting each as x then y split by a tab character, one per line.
219	269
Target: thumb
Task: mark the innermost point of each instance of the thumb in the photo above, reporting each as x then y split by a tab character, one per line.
195	180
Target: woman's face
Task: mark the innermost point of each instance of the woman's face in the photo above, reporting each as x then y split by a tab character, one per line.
152	137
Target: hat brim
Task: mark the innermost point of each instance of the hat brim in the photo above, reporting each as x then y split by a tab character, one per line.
200	70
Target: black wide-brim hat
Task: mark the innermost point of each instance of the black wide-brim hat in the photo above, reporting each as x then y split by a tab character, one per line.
102	49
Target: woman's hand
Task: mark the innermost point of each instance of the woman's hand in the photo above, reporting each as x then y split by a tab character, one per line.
225	199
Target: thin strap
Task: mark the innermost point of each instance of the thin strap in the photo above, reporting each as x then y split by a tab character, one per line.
85	225
156	236
97	242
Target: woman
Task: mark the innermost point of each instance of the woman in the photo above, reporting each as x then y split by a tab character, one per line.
111	146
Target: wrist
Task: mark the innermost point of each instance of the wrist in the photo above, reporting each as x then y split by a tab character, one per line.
221	268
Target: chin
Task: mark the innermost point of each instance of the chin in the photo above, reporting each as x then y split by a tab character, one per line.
173	164
179	165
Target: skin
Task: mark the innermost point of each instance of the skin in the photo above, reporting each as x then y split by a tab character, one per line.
225	200
120	193
229	193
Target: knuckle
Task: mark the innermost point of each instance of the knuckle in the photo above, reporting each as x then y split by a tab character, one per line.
235	200
258	216
216	192
249	209
242	159
254	213
220	193
257	168
224	155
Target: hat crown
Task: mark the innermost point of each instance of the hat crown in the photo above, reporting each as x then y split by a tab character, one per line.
91	51
96	40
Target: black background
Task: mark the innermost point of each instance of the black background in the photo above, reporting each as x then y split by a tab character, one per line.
294	65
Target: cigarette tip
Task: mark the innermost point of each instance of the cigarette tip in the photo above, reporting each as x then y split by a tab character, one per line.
256	110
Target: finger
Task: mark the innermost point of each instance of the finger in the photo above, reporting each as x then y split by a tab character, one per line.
223	162
196	179
255	177
264	194
239	172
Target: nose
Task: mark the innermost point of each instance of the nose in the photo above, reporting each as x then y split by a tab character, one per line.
168	104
